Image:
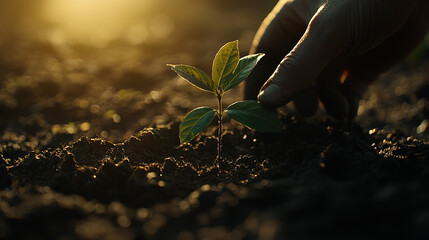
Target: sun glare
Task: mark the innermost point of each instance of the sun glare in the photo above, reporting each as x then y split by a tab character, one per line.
97	22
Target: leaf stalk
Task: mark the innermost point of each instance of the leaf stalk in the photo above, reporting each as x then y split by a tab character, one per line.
219	139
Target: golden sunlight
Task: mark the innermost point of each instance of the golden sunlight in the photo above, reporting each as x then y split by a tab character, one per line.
97	22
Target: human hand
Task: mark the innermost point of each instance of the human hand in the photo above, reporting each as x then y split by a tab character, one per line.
332	50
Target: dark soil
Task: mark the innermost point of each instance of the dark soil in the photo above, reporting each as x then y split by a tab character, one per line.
89	149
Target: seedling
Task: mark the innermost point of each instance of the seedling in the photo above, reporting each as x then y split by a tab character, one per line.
227	72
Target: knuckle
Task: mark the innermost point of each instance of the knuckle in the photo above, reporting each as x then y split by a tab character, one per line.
289	67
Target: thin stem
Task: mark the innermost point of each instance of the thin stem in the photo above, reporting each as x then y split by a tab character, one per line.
219	139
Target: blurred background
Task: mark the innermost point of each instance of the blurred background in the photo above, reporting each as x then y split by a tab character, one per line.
143	29
98	67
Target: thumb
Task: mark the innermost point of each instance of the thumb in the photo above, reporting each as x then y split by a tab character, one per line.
300	68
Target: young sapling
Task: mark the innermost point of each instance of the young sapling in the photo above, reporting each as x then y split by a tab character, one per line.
228	71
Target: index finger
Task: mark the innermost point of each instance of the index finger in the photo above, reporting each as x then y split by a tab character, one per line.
276	37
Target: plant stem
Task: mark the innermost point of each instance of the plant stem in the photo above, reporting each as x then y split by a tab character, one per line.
219	139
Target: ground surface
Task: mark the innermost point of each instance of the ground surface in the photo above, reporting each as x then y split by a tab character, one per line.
89	150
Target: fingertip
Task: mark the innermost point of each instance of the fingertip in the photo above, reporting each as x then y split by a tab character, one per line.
354	89
353	99
271	95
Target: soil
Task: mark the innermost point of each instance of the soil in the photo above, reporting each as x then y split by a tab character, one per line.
89	149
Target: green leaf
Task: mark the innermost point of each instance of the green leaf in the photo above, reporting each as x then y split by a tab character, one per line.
194	76
196	121
253	115
244	67
225	62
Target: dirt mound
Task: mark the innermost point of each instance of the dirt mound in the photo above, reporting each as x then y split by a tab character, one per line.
328	181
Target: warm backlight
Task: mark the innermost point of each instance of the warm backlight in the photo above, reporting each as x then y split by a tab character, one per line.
98	22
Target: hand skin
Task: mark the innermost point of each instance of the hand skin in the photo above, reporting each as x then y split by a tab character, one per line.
331	50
